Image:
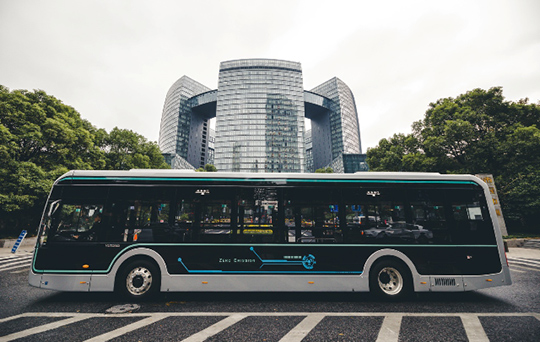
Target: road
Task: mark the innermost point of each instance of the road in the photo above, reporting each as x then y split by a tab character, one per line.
509	313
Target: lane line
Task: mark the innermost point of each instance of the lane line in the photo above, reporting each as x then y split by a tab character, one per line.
128	328
473	328
390	327
216	328
43	328
303	328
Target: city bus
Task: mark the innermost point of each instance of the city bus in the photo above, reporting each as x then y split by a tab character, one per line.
141	232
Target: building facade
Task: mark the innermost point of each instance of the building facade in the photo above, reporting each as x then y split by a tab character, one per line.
260	108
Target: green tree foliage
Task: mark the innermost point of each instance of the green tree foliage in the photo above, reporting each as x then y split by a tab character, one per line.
477	132
40	139
324	170
207	168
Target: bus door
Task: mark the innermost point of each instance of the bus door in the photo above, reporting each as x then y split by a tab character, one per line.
258	215
312	215
211	210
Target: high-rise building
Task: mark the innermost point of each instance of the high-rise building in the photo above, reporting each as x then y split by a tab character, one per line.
260	108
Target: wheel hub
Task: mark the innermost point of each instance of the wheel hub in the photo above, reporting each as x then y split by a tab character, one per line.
139	281
390	281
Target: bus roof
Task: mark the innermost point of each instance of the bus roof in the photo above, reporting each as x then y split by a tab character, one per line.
183	174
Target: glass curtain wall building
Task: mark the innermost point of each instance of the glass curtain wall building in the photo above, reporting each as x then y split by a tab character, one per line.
260	108
260	117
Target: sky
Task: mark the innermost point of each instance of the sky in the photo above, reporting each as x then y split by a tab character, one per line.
114	61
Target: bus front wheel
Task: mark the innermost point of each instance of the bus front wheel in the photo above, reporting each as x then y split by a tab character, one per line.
390	280
139	280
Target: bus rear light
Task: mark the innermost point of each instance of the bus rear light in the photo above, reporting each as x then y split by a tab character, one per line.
506	257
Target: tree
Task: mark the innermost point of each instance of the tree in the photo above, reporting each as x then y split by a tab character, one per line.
40	139
124	150
324	170
207	168
477	132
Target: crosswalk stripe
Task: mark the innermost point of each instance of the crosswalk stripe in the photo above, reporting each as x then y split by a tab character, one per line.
11	257
513	267
523	260
214	329
126	329
15	267
388	332
43	328
473	328
303	328
390	329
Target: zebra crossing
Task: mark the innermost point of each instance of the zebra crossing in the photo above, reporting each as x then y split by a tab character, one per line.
474	326
15	262
521	264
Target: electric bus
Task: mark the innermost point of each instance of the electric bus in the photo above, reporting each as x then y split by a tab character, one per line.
140	232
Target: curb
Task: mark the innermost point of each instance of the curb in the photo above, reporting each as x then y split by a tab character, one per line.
515	242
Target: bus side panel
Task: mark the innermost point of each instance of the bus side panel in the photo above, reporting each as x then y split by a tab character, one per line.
264	283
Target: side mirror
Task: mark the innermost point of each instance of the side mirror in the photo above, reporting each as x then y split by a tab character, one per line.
54	207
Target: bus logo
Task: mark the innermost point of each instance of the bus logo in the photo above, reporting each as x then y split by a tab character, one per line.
202	192
309	261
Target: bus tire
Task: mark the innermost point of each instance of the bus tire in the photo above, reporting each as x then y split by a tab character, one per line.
390	279
139	280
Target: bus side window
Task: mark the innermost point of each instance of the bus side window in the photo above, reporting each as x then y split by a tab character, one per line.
471	220
428	213
76	222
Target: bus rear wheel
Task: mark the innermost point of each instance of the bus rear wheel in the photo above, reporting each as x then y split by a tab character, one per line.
390	280
139	280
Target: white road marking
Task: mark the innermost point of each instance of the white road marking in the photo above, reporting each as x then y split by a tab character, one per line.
43	328
390	329
513	267
15	265
6	258
216	328
473	328
303	328
128	328
515	270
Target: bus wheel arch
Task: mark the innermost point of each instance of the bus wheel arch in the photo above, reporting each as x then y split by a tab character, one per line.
138	277
391	274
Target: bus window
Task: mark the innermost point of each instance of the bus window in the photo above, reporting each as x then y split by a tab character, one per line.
375	215
183	221
76	222
428	216
258	215
139	215
471	223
